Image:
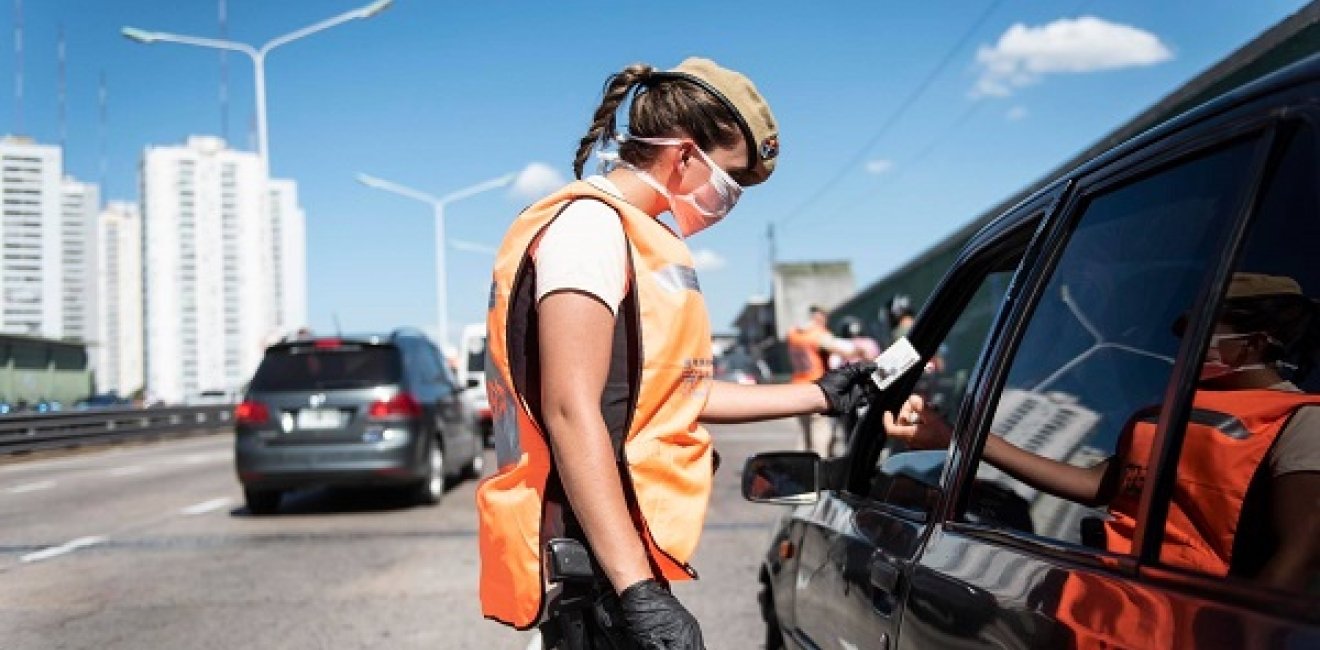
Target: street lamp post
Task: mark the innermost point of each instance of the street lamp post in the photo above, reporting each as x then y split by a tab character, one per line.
438	208
258	56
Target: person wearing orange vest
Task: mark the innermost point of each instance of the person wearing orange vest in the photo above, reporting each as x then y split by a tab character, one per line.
600	368
1250	458
809	347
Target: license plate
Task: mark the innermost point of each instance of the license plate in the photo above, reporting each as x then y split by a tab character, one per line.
318	419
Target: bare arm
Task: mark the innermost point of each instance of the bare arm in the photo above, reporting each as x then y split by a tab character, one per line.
575	330
1086	485
732	403
1293	513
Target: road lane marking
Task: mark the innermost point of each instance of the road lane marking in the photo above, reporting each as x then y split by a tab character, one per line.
205	506
55	551
126	471
198	459
31	487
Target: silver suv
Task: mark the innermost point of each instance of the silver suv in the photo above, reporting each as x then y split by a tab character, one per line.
374	410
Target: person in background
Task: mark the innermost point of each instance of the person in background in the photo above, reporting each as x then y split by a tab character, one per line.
810	345
900	317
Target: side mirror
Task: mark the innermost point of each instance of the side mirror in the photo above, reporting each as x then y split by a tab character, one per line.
782	477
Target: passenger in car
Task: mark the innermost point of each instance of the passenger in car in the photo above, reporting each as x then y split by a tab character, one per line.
1251	452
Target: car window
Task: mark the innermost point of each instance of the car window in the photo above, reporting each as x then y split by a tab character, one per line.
443	372
908	478
1099	346
476	354
1248	476
306	368
425	365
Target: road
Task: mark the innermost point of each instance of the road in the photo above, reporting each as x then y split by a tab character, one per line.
150	547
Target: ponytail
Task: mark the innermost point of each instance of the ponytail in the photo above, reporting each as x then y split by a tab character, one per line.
602	128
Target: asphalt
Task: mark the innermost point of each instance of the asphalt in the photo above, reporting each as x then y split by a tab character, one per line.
149	546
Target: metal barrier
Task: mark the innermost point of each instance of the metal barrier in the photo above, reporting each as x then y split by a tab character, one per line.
24	432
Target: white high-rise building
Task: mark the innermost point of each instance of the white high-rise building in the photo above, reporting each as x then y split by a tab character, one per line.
117	352
80	203
208	268
31	261
289	234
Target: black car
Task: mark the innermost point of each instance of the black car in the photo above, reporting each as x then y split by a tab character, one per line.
372	410
1088	310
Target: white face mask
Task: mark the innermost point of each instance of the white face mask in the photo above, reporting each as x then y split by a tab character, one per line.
702	207
1214	366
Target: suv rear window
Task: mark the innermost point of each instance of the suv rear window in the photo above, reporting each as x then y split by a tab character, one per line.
319	369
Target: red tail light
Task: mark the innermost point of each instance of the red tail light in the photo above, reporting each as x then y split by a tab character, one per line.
327	344
251	412
402	405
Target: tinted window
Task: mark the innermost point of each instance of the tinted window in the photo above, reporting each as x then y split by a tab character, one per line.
1255	423
476	354
312	369
1100	344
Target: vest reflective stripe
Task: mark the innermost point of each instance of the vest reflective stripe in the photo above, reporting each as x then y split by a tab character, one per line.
668	455
1227	438
804	353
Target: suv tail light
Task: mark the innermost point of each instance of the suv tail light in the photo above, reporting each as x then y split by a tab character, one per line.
402	405
251	412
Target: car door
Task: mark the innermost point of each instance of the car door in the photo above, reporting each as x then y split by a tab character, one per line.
856	543
1090	350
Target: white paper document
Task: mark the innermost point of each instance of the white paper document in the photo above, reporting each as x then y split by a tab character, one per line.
893	362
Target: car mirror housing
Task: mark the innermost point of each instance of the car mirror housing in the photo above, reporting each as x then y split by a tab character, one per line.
782	477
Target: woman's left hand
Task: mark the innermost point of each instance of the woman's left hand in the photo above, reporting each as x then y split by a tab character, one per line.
847	388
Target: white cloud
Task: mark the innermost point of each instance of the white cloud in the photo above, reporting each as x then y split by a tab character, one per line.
471	246
706	259
878	167
536	181
1066	46
1016	113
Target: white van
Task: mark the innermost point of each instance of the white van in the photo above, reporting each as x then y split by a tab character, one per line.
471	372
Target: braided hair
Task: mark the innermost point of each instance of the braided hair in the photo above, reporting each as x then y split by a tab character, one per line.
662	106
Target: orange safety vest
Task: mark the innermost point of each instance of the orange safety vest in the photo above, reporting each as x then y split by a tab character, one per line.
1228	435
804	353
666	456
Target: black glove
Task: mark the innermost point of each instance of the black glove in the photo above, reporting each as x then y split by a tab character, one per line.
656	620
848	387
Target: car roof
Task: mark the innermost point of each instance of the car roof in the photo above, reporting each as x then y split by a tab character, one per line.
358	340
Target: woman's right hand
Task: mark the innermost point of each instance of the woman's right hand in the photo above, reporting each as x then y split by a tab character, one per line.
918	427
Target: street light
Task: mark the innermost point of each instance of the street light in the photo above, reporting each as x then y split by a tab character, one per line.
438	207
258	56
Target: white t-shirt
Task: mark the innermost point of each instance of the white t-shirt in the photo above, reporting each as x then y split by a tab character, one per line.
584	250
1298	446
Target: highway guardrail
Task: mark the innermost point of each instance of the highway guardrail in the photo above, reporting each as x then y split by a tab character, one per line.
26	432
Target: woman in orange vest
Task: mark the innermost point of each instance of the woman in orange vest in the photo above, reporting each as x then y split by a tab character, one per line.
600	365
1250	458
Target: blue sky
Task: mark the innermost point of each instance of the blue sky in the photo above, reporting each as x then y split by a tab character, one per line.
441	95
